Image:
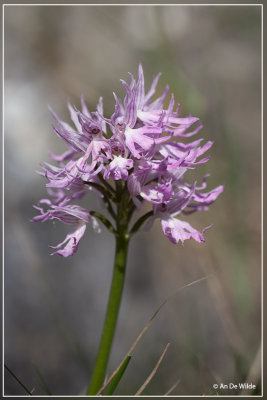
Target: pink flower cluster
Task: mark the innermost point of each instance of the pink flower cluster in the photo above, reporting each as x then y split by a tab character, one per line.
138	148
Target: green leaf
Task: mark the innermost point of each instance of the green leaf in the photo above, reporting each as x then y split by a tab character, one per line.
115	381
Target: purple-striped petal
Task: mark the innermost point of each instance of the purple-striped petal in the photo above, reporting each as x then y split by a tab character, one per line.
71	241
177	230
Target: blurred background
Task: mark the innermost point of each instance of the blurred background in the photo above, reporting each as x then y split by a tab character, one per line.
54	307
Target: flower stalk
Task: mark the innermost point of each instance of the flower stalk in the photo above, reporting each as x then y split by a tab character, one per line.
119	269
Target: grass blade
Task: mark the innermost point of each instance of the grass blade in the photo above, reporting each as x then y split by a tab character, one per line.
115	381
18	380
142	388
42	382
172	388
141	334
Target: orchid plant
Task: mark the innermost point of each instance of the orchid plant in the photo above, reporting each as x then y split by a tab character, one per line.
134	157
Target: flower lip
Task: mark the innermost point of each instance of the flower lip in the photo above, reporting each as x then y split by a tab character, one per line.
117	148
121	126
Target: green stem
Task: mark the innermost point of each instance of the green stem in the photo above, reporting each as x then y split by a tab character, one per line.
140	222
104	221
122	241
105	183
106	196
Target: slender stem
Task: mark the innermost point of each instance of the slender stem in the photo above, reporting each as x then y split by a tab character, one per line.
104	221
106	196
109	207
131	209
105	183
98	187
101	189
122	241
140	222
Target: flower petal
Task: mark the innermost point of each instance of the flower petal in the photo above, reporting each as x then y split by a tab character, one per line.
72	241
177	230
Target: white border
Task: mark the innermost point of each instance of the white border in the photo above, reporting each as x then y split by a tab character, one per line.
3	90
262	376
3	218
134	4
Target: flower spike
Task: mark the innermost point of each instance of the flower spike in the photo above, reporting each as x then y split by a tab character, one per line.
139	154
